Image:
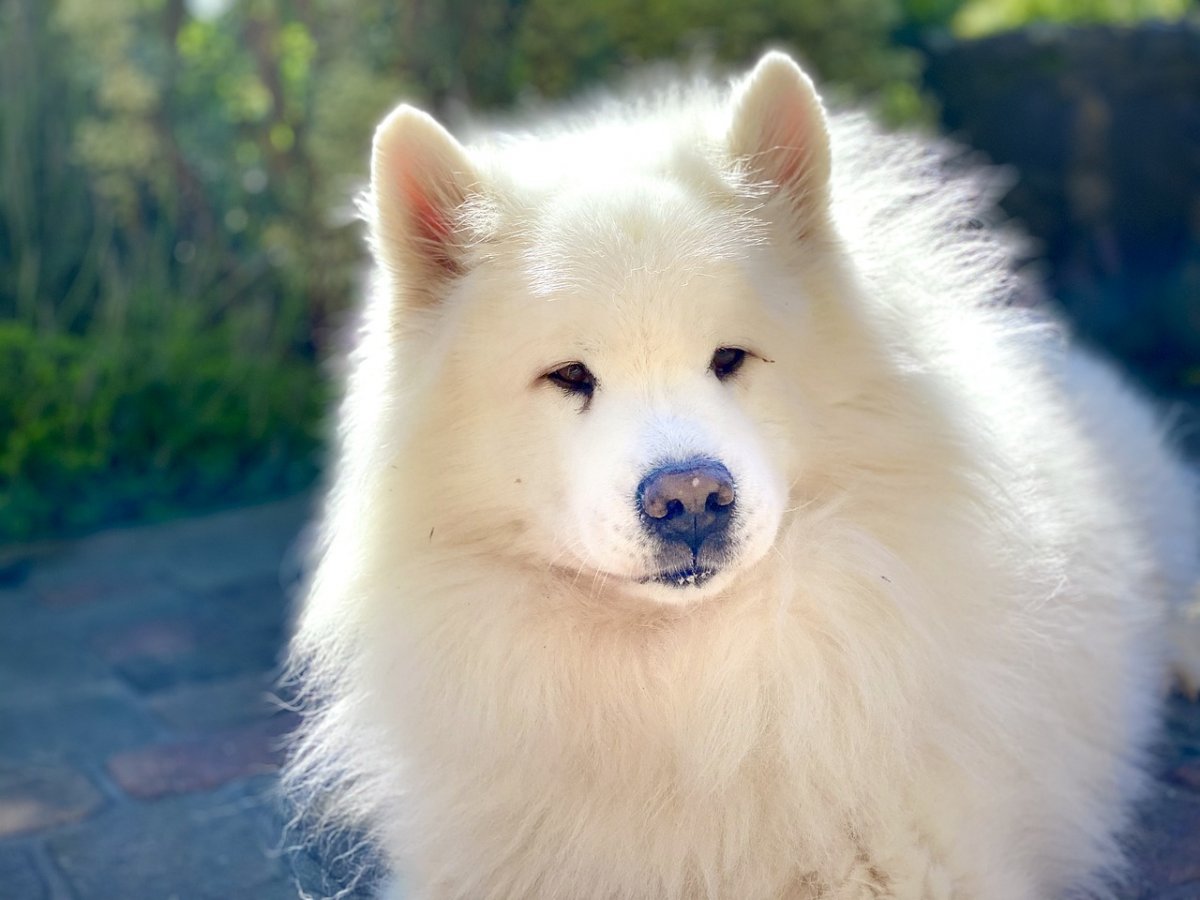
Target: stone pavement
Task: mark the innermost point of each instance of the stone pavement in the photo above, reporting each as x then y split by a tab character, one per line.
138	737
138	745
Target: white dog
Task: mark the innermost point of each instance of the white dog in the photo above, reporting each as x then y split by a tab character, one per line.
707	526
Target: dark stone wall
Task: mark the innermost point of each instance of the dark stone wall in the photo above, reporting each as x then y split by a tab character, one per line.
1103	128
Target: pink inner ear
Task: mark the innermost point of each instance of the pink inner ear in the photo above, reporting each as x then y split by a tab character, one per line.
788	163
786	147
432	227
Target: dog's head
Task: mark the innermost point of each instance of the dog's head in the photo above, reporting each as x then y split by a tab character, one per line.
596	332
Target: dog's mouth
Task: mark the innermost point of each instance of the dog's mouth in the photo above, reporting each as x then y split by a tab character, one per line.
692	576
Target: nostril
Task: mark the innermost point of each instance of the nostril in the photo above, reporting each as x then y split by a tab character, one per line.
654	504
721	497
719	501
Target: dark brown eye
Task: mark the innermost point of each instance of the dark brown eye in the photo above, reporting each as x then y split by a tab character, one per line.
726	361
574	378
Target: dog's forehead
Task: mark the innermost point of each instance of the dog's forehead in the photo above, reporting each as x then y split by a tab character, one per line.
636	320
631	235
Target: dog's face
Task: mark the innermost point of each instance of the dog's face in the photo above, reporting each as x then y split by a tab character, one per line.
605	351
634	378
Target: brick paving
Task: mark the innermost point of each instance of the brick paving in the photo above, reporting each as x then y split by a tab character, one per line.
139	741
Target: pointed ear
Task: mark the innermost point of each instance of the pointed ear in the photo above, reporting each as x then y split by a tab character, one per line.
780	136
420	177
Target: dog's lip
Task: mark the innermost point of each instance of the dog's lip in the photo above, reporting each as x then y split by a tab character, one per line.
689	576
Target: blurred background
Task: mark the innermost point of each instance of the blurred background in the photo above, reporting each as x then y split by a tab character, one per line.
177	233
179	253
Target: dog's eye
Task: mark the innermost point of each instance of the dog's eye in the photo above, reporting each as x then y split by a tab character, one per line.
574	378
726	361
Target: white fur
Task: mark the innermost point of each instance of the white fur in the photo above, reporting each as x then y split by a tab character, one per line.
932	665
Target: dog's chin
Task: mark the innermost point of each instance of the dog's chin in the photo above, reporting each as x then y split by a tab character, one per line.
682	586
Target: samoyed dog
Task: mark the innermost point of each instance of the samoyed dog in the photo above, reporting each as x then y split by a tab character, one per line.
708	522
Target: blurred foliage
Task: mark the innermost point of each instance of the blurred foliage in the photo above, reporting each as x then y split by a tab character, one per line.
177	233
561	46
976	18
168	255
93	436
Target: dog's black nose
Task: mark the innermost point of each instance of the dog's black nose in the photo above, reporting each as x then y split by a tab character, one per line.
687	502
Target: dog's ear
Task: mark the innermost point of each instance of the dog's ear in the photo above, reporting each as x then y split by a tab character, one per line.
420	179
779	134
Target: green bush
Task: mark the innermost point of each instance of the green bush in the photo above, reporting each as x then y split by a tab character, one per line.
166	261
981	17
146	424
